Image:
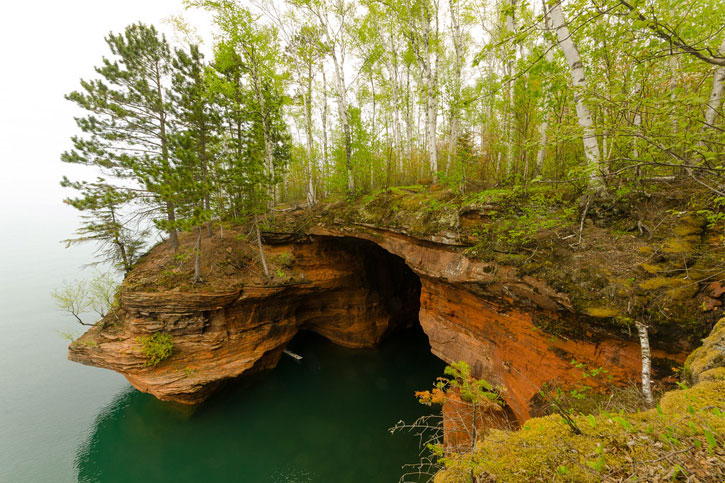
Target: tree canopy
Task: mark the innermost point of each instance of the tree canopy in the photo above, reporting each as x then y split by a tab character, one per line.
308	99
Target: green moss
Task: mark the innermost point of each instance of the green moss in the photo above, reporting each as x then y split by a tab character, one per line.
611	446
602	312
651	268
710	356
686	292
684	230
716	374
662	282
678	245
703	395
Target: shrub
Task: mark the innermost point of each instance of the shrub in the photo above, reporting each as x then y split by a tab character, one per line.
156	347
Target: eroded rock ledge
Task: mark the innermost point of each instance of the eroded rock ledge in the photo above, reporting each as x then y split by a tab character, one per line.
351	285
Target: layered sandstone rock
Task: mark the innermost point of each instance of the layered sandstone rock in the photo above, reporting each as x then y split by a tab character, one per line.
353	285
485	314
343	291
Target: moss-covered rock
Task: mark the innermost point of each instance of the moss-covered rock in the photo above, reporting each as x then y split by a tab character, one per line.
705	361
683	436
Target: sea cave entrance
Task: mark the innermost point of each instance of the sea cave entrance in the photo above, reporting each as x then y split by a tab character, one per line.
376	295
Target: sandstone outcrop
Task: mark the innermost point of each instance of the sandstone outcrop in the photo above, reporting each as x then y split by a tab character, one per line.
517	285
344	292
353	285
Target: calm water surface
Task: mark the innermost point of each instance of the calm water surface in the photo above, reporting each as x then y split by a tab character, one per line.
322	420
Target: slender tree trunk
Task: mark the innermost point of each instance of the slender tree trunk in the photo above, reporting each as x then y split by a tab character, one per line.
197	258
324	119
171	218
205	173
266	132
373	137
307	100
637	121
170	210
425	54
646	362
510	28
117	240
261	249
408	113
715	100
432	118
395	83
576	68
339	78
544	126
457	73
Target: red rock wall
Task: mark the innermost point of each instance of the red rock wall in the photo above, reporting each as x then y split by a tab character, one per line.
220	336
352	292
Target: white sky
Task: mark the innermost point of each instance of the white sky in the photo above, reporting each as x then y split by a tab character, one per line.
45	48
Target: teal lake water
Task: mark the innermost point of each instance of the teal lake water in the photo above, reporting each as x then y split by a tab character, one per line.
322	419
325	419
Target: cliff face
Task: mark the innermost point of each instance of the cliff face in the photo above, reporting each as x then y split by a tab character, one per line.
350	291
353	286
485	314
501	284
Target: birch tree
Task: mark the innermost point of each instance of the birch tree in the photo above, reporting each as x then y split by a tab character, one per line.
305	52
714	102
646	362
422	31
578	77
333	19
544	126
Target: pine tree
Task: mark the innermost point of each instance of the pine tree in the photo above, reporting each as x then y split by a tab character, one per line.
103	222
130	121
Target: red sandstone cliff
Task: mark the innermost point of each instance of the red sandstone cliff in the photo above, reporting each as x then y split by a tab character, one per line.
352	286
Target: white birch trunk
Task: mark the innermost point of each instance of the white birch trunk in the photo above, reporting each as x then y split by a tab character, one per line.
307	101
576	68
544	126
342	112
637	125
457	74
393	73
510	27
716	94
325	161
432	111
266	132
340	91
646	363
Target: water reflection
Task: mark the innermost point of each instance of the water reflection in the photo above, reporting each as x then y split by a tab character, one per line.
323	420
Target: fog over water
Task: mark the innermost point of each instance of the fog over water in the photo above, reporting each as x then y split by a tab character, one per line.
47	404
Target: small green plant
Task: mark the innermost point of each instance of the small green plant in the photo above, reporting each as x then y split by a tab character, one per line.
188	371
155	347
469	399
182	256
67	336
716	215
286	259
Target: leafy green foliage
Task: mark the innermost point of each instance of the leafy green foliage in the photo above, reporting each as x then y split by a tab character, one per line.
155	347
100	295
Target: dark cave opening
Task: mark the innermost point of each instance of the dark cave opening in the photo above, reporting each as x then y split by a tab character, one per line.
388	290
